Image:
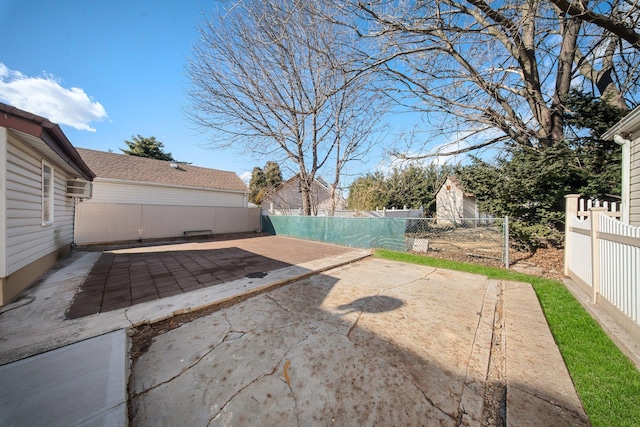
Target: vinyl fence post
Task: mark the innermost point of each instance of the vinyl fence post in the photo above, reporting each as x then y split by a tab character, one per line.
571	211
595	250
506	242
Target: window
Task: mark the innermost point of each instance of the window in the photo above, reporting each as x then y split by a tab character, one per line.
47	194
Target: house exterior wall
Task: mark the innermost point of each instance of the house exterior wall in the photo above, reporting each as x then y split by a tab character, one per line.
469	209
634	183
3	211
29	247
105	191
449	201
289	198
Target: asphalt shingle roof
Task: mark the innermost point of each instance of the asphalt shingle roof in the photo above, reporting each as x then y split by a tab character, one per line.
141	169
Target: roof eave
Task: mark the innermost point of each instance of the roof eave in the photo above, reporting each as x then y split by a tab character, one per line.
629	124
160	184
50	133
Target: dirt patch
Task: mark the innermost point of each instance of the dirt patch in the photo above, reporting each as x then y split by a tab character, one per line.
545	262
142	336
482	244
551	260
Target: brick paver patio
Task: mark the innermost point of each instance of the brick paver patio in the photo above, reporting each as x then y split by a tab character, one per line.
122	278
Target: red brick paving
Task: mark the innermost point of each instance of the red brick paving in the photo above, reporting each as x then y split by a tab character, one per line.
126	277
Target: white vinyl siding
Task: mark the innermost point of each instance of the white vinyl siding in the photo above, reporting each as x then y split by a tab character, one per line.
634	183
149	194
47	185
26	239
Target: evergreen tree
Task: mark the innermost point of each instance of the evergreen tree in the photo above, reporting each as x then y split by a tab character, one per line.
147	147
599	160
368	192
272	174
413	186
257	183
263	180
528	184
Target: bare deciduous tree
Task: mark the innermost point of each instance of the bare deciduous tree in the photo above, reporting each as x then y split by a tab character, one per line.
623	25
491	72
272	78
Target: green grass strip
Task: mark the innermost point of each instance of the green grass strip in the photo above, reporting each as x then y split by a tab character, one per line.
606	381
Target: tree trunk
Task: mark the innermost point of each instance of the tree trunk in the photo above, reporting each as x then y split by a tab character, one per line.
305	192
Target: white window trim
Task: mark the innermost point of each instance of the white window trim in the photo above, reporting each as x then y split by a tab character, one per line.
49	196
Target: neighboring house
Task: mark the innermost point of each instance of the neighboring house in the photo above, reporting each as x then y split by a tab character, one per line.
37	166
453	201
136	198
627	133
122	178
286	199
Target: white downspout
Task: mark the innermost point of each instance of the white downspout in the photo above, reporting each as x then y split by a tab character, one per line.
626	173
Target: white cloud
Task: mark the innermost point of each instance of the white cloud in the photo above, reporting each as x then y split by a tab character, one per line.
245	177
45	97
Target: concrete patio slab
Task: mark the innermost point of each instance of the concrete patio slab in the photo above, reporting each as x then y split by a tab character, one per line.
338	338
81	384
371	343
539	388
40	324
121	278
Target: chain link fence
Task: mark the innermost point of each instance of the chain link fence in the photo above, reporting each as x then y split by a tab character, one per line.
483	240
476	240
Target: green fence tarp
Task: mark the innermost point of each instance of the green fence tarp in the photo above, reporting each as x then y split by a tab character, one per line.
366	233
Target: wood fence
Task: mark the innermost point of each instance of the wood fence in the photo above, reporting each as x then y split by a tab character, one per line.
602	255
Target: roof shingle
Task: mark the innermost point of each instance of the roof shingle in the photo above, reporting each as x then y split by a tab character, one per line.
142	169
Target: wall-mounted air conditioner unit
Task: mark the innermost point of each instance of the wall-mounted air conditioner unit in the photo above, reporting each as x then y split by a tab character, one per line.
80	189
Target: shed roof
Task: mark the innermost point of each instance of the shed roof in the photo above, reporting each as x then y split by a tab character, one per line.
455	181
44	133
141	169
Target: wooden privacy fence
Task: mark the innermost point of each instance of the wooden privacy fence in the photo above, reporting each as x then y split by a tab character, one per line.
602	255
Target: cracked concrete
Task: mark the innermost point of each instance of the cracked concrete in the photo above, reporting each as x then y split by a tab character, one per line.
40	325
373	342
370	343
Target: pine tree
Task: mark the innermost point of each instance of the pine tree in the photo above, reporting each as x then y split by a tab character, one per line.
272	174
528	184
147	147
257	183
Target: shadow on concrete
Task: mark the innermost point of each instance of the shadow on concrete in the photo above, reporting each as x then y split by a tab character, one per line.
373	304
316	352
120	280
371	343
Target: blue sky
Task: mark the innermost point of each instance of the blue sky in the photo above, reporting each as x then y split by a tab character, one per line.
106	71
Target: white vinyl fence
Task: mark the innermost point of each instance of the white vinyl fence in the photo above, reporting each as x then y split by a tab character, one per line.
620	265
602	255
110	222
580	252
